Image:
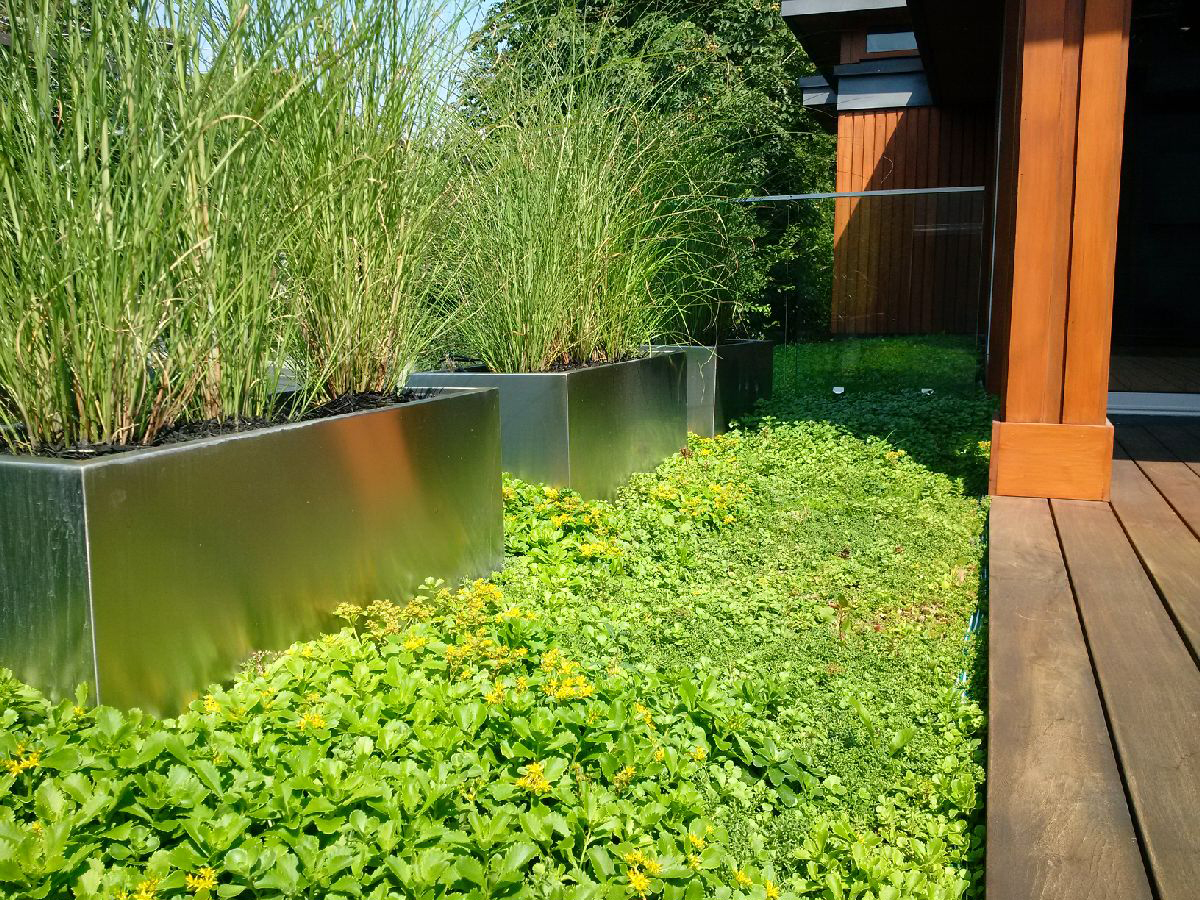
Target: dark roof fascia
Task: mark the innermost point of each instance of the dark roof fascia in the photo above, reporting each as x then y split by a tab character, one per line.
892	90
799	8
890	66
819	24
817	92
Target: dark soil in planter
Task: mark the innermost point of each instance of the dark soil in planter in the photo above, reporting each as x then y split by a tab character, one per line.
576	366
458	364
191	431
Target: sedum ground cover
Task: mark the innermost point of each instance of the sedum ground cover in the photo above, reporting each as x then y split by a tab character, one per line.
746	677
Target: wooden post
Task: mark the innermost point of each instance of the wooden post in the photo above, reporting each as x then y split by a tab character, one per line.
1053	439
1097	197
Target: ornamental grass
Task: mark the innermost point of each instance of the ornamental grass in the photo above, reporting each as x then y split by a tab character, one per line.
364	169
591	215
136	286
197	199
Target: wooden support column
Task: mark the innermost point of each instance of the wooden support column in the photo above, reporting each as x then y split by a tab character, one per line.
1052	298
1097	197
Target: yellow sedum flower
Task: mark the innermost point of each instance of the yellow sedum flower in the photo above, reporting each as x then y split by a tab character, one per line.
534	779
204	880
574	688
741	879
622	779
23	761
311	720
644	714
639	882
697	841
146	890
211	704
699	754
772	889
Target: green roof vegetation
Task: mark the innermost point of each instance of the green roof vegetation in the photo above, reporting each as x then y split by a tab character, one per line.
746	677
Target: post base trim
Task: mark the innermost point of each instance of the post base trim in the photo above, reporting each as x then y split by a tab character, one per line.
1060	462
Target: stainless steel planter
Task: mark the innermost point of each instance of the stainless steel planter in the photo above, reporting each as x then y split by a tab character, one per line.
587	429
724	382
153	572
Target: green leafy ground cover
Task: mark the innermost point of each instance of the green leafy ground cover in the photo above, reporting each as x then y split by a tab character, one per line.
737	680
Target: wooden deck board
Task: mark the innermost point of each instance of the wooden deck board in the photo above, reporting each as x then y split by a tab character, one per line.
1058	823
1183	440
1177	483
1150	685
1168	549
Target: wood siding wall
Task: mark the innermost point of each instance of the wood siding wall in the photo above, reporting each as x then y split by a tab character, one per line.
911	264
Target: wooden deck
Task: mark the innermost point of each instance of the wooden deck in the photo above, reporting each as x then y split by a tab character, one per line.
1094	684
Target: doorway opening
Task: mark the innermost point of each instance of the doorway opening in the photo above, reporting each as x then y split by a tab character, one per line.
1155	364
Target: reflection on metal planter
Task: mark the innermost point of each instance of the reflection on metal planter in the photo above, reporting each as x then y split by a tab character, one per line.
587	429
150	573
725	382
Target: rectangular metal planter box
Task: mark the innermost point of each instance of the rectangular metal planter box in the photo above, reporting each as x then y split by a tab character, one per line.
587	429
725	382
151	573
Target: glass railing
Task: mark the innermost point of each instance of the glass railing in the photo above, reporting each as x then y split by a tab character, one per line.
886	289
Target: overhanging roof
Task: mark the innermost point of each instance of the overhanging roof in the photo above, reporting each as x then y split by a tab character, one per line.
960	42
818	24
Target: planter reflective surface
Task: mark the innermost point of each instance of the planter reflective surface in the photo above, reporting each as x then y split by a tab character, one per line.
151	573
587	429
725	382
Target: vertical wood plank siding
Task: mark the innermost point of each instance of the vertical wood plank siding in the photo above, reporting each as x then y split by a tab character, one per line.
910	265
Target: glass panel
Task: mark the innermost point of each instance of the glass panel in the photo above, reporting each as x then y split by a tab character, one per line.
902	301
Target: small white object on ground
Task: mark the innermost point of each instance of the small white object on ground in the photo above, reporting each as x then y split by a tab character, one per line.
839	390
926	390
